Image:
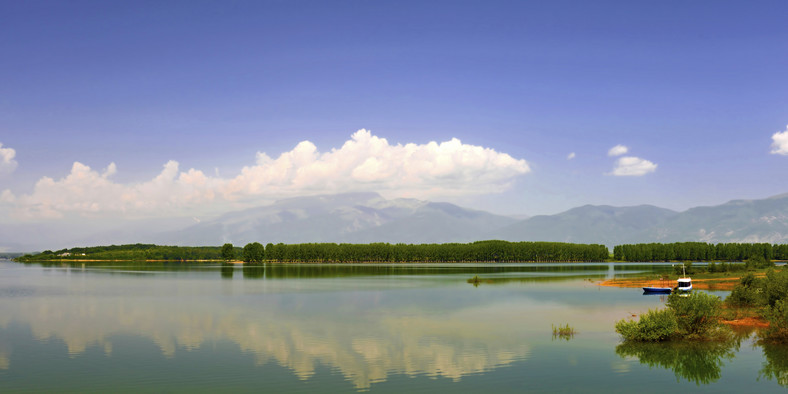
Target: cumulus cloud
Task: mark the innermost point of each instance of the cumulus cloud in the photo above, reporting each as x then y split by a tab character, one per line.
7	162
633	166
780	142
570	156
363	163
617	150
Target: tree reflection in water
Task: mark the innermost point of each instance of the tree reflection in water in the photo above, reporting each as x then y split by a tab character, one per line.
699	362
776	364
227	270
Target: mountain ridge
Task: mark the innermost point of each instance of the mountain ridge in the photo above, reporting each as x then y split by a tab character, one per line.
369	217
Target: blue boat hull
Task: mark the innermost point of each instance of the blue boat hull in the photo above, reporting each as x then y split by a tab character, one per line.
657	290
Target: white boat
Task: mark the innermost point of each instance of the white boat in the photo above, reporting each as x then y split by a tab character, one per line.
685	283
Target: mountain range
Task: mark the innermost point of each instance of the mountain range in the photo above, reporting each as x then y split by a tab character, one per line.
368	217
351	217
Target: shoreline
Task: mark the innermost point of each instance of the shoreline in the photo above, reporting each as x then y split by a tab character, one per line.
725	284
722	283
747	319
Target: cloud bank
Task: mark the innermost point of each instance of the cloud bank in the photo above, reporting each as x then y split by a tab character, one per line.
363	163
7	162
780	142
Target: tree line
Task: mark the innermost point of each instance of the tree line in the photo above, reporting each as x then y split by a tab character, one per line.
496	251
493	251
130	252
699	251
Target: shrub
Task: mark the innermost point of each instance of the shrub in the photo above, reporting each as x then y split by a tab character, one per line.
654	326
698	315
695	317
748	292
775	286
777	316
758	261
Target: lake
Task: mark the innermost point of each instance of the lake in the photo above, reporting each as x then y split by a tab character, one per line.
165	327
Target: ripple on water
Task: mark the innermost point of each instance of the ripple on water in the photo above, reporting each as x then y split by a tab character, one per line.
16	291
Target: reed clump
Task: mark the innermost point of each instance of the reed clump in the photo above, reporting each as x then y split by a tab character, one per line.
563	332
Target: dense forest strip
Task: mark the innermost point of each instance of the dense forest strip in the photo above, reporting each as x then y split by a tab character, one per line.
699	251
492	251
480	251
132	252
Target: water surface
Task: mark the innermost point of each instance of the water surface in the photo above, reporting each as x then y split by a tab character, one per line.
140	327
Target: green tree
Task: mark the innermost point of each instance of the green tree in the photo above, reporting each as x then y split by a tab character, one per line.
228	252
253	252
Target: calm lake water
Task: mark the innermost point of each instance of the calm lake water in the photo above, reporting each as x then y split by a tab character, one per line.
343	328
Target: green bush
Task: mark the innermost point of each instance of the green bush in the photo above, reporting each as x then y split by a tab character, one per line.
697	315
777	316
758	261
694	317
748	292
654	326
775	286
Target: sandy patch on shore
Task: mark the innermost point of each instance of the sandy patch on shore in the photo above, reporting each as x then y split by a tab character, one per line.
703	284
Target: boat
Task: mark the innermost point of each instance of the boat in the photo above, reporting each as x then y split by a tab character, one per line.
685	283
657	290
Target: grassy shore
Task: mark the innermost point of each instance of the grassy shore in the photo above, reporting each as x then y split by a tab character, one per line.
723	281
738	317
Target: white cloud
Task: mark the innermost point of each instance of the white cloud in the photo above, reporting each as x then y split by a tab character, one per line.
7	162
571	156
633	166
780	142
7	197
617	150
363	163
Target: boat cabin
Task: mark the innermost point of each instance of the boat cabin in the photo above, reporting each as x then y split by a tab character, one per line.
684	284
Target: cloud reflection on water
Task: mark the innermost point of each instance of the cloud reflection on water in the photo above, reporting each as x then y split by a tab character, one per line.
365	347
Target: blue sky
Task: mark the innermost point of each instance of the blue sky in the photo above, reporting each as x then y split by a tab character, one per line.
698	89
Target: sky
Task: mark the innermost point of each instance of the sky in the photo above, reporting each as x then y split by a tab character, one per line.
129	109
